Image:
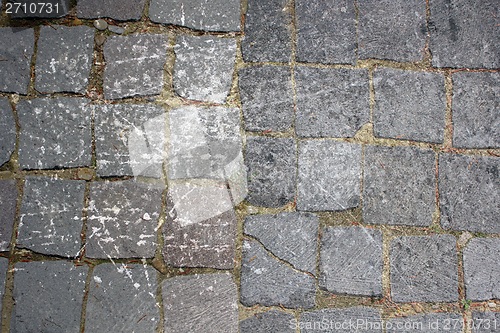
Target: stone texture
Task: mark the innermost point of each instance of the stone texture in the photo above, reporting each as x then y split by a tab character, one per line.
329	175
15	72
485	322
134	65
464	33
4	264
266	97
119	298
200	303
469	193
399	185
292	237
269	321
51	9
8	201
122	219
348	320
351	261
55	133
203	68
121	10
426	323
331	102
424	269
326	31
64	59
7	131
409	105
51	216
268	35
48	296
476	110
271	169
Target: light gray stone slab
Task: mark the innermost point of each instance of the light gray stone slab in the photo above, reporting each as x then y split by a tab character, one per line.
4	264
348	320
269	321
16	46
8	202
7	131
426	323
482	269
116	29
485	322
121	10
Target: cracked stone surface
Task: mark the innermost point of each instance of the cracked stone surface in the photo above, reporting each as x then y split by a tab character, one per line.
8	202
426	323
269	321
121	10
15	72
7	131
485	322
348	320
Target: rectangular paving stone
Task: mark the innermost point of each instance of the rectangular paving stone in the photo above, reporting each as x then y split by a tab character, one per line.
269	321
121	10
426	323
348	320
399	185
331	102
424	269
329	175
15	71
4	264
409	105
7	131
485	322
8	202
55	133
326	31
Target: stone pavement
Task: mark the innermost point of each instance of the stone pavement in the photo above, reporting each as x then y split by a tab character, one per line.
251	166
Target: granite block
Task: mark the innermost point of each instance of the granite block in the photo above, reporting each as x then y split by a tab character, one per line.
121	10
16	46
8	202
7	131
270	321
426	323
348	320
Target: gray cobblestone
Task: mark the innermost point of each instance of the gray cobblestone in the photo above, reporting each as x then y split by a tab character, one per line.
121	10
426	323
16	46
8	202
270	321
348	320
7	131
485	322
4	263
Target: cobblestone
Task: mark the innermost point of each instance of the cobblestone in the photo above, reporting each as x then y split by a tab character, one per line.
485	322
270	321
8	201
7	131
16	47
342	320
427	323
121	10
4	263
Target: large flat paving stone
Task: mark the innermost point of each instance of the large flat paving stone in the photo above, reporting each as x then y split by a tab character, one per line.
348	320
16	47
485	322
269	321
409	105
7	131
203	68
195	303
8	202
122	299
55	133
399	185
464	33
469	193
329	175
331	102
424	269
121	10
351	261
4	264
426	323
326	31
122	219
48	296
51	216
134	65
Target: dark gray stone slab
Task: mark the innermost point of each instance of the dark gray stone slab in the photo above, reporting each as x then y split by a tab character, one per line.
267	282
269	321
351	261
464	33
485	322
266	97
292	237
469	193
271	168
476	110
426	323
212	299
122	299
15	71
268	35
394	30
329	175
7	131
482	269
4	264
48	296
122	219
121	10
64	59
399	185
49	9
348	320
326	31
219	15
55	133
134	65
424	269
331	102
8	201
409	105
203	68
51	216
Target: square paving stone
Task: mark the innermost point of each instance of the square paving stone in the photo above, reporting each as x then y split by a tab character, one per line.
469	193
64	59
424	269
348	320
134	65
409	105
16	45
269	321
326	31
351	261
51	216
4	264
426	323
55	133
485	322
204	67
476	110
122	219
271	169
200	303
8	202
48	296
122	299
7	131
464	33
266	97
399	185
329	175
331	102
268	35
121	10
